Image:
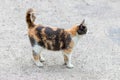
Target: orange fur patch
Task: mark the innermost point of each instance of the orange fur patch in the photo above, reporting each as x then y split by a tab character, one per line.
73	30
69	50
36	57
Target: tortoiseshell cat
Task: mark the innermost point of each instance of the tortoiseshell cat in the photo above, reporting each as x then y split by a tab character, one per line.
52	38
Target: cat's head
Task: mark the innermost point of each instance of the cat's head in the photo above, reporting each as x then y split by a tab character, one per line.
82	29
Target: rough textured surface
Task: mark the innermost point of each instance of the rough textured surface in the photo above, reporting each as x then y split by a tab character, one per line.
97	56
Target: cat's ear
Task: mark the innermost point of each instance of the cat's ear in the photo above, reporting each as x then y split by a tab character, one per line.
83	22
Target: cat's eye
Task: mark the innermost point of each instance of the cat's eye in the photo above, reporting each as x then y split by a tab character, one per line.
83	27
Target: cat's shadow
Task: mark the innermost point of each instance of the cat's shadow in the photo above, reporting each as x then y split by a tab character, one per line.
32	68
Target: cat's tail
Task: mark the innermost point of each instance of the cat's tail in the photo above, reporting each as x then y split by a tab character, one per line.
30	18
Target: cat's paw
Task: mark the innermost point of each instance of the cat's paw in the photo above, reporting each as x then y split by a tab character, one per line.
70	66
42	59
39	64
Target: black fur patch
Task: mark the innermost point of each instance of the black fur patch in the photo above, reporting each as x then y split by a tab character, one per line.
53	38
41	43
32	41
66	39
39	30
82	30
49	46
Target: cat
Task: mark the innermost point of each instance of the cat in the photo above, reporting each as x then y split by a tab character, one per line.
52	38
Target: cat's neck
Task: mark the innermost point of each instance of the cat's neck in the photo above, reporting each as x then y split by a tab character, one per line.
73	31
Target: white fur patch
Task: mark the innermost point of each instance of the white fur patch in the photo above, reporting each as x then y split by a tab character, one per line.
76	40
69	64
42	58
37	48
38	63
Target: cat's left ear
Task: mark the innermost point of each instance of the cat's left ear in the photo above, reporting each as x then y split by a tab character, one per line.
83	22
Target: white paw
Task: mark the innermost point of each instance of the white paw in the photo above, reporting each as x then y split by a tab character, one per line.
42	59
39	64
70	66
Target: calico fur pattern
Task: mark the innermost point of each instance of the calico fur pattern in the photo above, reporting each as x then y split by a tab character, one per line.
51	38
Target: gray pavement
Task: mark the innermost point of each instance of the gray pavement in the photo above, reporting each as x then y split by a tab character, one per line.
97	56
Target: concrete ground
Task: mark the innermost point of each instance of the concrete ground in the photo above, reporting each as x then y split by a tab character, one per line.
97	56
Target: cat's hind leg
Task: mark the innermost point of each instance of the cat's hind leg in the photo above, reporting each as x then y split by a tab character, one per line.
36	55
